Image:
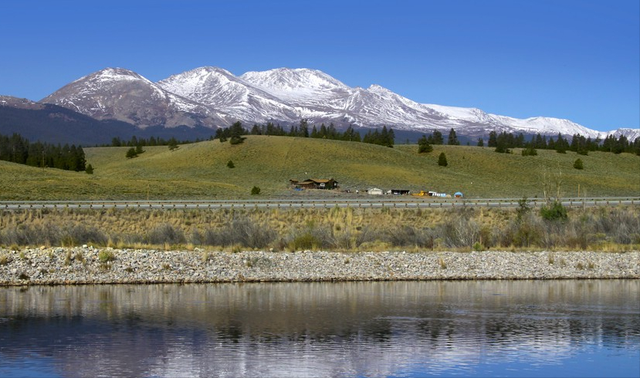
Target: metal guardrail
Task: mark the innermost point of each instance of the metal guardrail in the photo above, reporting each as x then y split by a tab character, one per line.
408	203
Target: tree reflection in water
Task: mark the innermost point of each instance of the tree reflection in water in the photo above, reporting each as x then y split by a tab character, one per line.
320	329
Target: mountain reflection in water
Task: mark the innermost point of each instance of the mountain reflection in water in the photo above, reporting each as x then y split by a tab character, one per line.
470	328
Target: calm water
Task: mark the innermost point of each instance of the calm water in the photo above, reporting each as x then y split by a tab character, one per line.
380	329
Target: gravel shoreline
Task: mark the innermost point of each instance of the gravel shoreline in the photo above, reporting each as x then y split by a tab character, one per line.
89	265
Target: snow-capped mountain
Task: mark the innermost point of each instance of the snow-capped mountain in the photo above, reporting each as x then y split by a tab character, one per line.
301	86
116	93
214	97
219	89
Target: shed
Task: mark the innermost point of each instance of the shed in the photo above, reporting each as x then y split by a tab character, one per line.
375	191
458	195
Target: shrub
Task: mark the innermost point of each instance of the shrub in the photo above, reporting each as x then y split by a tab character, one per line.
236	139
106	256
304	241
242	231
131	153
165	234
255	191
523	208
230	164
4	260
311	237
578	164
554	212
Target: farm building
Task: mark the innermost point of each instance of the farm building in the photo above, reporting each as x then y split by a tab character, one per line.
375	191
399	191
314	184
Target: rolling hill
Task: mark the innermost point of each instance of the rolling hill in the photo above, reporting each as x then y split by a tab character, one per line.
199	171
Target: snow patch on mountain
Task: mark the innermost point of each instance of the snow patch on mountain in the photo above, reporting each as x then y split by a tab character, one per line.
296	85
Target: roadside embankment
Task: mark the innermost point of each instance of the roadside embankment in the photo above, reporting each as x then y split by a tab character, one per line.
89	265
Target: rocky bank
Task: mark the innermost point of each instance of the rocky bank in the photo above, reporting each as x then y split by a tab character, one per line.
89	265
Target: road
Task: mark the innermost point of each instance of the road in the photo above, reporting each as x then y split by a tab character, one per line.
399	202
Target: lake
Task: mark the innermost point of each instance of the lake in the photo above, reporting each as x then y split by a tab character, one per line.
579	328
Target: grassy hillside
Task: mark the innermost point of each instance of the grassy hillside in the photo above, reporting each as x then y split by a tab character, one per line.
200	171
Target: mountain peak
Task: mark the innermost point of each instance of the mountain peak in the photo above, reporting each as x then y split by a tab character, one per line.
207	70
292	79
123	95
112	74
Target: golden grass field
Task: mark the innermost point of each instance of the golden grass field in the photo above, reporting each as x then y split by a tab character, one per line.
199	171
607	229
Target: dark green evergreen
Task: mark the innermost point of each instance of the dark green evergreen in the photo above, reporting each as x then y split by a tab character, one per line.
453	138
131	153
442	160
424	146
17	149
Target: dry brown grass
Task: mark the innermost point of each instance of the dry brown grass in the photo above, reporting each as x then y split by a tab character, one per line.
340	229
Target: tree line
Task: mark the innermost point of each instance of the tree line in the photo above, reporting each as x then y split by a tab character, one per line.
17	149
504	143
151	141
383	137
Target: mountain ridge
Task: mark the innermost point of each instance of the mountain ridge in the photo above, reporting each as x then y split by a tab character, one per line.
214	97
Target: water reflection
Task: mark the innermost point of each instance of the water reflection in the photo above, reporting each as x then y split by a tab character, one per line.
374	329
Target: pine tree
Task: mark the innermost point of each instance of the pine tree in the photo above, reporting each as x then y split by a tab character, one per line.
561	145
89	169
424	146
173	144
493	139
442	160
453	138
131	153
578	164
436	138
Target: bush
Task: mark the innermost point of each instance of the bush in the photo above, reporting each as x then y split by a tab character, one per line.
236	139
578	164
230	164
242	231
305	241
165	234
310	237
554	212
106	256
255	191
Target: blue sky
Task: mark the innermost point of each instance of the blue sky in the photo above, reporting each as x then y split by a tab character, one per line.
578	60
